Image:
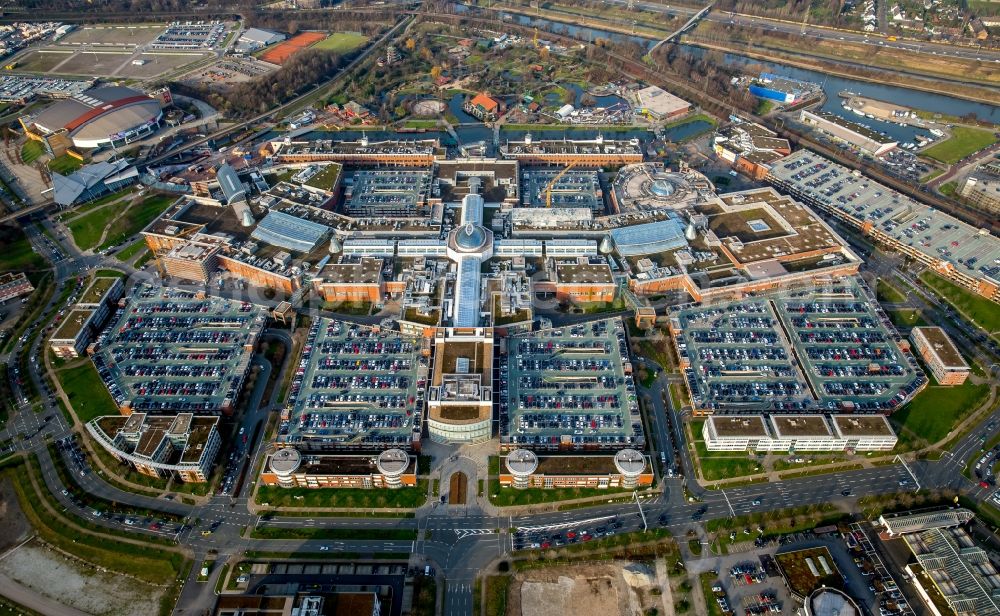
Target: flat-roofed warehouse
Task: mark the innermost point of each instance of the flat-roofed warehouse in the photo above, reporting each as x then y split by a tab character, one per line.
100	116
863	138
660	104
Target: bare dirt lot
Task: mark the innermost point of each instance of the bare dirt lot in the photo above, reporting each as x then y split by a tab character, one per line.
70	582
583	590
13	525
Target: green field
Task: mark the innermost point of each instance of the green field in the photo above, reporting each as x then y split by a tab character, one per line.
963	141
31	150
87	229
86	392
885	292
17	254
716	465
342	42
983	312
906	317
121	223
126	254
65	164
136	218
937	410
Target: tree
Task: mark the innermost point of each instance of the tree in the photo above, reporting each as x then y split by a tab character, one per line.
410	44
543	54
435	72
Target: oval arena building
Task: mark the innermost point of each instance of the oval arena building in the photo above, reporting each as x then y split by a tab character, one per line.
101	116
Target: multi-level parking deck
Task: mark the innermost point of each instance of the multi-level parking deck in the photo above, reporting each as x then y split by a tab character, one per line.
823	348
169	350
388	192
848	348
737	358
355	387
569	388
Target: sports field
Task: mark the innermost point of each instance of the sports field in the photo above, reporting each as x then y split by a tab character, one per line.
342	42
280	53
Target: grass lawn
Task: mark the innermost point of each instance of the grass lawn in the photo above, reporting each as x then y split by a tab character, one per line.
305	498
126	254
342	42
709	579
948	189
388	534
717	465
137	217
963	141
17	254
86	392
983	312
885	292
495	589
906	317
936	410
87	229
31	150
65	164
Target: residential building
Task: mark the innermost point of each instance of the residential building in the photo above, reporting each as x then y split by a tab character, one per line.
483	107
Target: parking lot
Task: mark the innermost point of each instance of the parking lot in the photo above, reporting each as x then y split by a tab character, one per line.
826	348
170	350
575	189
190	35
381	192
570	386
354	386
